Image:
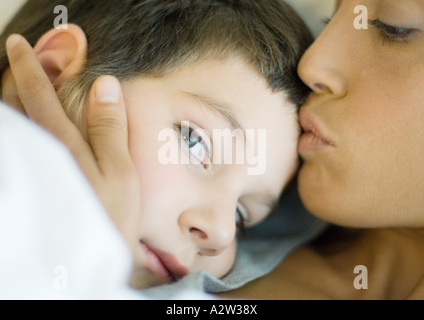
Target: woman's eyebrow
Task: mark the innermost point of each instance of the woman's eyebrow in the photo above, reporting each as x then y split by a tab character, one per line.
223	109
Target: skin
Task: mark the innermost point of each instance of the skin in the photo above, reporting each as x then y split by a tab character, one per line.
374	173
185	209
367	100
193	205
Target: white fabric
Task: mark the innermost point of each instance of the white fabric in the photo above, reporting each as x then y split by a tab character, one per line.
56	241
8	9
313	12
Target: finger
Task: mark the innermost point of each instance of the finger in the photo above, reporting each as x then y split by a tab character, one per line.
42	105
107	131
10	92
35	90
107	126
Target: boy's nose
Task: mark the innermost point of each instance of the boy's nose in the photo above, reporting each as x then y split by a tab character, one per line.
211	228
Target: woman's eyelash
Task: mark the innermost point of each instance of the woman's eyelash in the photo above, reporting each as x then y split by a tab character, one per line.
392	34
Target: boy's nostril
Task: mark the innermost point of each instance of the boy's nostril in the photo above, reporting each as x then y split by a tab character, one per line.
208	252
200	233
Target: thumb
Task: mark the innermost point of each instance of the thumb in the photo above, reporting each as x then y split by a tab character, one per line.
10	92
107	132
107	126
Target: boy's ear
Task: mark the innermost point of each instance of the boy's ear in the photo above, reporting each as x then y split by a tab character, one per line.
62	53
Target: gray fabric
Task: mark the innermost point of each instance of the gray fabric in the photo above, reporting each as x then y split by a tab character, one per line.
258	253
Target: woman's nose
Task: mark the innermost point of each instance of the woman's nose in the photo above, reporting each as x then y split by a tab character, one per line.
211	228
322	66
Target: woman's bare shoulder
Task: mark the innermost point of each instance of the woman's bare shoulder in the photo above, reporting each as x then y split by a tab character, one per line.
315	271
339	265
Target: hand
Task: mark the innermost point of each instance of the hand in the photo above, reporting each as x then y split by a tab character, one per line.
104	159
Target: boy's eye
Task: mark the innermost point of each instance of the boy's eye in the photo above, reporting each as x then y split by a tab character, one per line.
393	34
241	216
196	143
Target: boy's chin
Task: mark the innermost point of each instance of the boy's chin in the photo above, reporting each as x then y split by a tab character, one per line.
143	279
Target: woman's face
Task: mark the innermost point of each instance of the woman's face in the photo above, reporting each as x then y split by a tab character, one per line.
363	150
195	173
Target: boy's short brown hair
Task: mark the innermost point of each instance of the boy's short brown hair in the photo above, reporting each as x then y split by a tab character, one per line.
128	38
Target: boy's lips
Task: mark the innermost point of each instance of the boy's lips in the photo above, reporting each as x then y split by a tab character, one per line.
313	138
163	265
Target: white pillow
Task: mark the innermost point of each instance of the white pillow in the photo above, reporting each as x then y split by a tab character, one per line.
313	12
7	9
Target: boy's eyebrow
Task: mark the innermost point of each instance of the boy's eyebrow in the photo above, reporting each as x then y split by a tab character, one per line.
224	110
269	200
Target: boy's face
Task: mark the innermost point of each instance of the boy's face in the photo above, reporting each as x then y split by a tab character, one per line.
194	174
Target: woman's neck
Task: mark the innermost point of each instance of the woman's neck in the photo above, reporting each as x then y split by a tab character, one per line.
391	260
394	259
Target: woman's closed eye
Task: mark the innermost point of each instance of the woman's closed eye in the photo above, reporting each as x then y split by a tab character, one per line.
196	143
392	34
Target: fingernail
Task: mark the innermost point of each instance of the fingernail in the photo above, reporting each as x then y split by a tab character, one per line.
108	90
12	41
